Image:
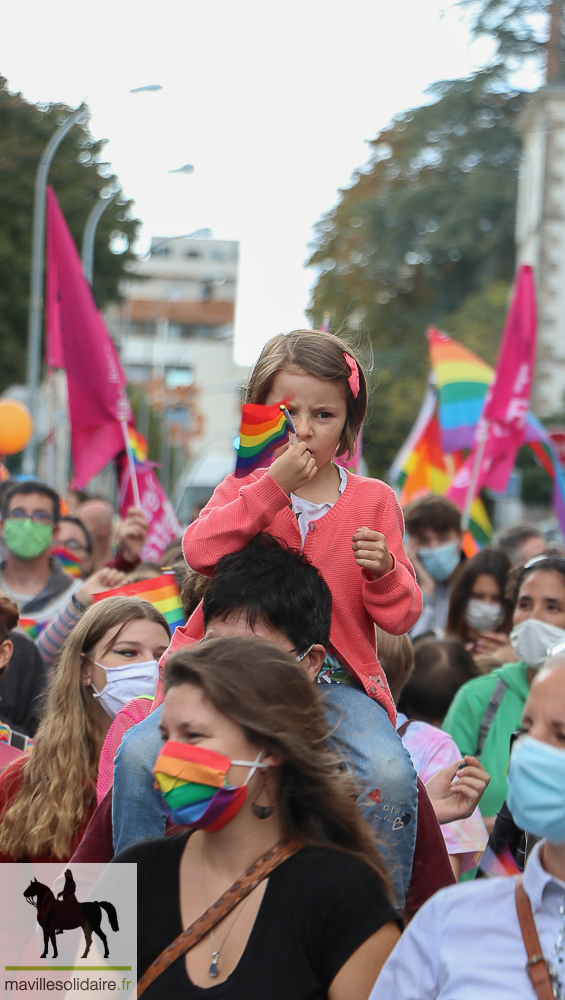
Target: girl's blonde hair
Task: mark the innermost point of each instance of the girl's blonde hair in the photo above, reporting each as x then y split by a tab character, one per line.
319	354
58	781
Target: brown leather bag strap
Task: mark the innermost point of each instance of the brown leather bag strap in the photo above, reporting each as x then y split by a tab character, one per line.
536	966
259	870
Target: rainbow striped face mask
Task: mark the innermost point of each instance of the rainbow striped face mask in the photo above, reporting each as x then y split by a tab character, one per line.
192	782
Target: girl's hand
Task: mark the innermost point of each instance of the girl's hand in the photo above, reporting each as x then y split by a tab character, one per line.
495	644
294	468
371	552
455	791
104	579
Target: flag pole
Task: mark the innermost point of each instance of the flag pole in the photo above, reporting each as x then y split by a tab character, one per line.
477	463
291	427
131	463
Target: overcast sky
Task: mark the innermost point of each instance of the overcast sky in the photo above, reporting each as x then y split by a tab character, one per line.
271	101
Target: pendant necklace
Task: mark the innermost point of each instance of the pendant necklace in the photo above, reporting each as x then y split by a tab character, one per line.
214	969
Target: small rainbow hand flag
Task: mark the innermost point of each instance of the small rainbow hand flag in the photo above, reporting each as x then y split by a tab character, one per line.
138	444
263	429
161	591
69	562
31	627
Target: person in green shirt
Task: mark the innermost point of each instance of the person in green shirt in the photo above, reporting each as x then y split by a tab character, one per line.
487	710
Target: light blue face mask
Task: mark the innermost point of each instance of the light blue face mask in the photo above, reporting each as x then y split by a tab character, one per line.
441	561
536	788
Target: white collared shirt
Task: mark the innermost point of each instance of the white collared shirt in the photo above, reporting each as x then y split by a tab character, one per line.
466	944
306	511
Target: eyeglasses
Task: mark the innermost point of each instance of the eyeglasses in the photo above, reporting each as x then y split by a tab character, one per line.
73	545
37	516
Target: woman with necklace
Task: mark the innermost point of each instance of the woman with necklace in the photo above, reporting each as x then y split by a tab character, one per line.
468	941
245	769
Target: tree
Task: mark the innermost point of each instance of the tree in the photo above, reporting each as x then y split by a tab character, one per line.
519	27
78	175
426	226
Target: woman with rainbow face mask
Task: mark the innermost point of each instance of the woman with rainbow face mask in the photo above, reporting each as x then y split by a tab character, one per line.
467	941
245	770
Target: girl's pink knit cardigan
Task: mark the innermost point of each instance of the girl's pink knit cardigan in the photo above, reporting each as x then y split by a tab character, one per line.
240	508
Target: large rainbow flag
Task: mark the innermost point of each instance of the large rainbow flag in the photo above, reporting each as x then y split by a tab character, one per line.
462	380
263	429
161	591
422	467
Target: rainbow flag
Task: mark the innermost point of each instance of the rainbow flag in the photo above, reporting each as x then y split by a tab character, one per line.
68	561
462	380
138	444
425	469
31	627
262	430
161	591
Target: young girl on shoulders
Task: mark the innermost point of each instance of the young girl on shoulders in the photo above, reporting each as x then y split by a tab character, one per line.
350	527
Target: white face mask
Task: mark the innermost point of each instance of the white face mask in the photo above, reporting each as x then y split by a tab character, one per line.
125	683
482	615
533	639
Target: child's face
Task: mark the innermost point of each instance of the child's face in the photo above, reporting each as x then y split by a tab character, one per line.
317	407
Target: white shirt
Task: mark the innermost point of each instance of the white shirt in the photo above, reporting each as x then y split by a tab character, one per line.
431	750
306	511
466	944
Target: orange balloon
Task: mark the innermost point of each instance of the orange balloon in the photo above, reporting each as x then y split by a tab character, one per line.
16	427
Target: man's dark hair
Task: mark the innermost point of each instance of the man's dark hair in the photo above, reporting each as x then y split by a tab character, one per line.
441	667
273	584
510	539
432	511
30	486
83	528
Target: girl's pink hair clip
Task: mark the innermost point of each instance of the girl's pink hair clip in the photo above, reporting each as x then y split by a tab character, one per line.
354	377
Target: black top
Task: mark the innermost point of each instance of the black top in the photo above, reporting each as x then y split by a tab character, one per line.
319	907
22	686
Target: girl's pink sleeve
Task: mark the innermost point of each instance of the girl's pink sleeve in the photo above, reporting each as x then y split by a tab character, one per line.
394	601
237	511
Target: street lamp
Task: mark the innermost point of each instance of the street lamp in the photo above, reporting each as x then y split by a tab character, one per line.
90	231
37	272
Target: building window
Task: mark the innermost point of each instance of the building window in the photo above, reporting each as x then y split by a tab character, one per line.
161	252
139	373
193	253
175	377
142	329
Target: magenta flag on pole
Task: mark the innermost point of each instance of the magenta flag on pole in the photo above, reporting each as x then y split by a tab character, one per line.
164	525
77	340
501	428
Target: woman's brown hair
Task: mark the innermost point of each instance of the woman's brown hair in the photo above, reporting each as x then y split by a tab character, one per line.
319	354
58	781
488	562
9	616
262	689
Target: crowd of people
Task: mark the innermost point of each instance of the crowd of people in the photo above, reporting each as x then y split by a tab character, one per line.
355	717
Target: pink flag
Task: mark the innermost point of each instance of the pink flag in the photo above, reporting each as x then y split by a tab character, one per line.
501	429
77	339
164	525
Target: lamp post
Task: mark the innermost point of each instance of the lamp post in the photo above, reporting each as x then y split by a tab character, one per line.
90	232
37	273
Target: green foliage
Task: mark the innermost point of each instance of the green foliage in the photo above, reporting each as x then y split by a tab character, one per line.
78	174
537	486
424	235
519	27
